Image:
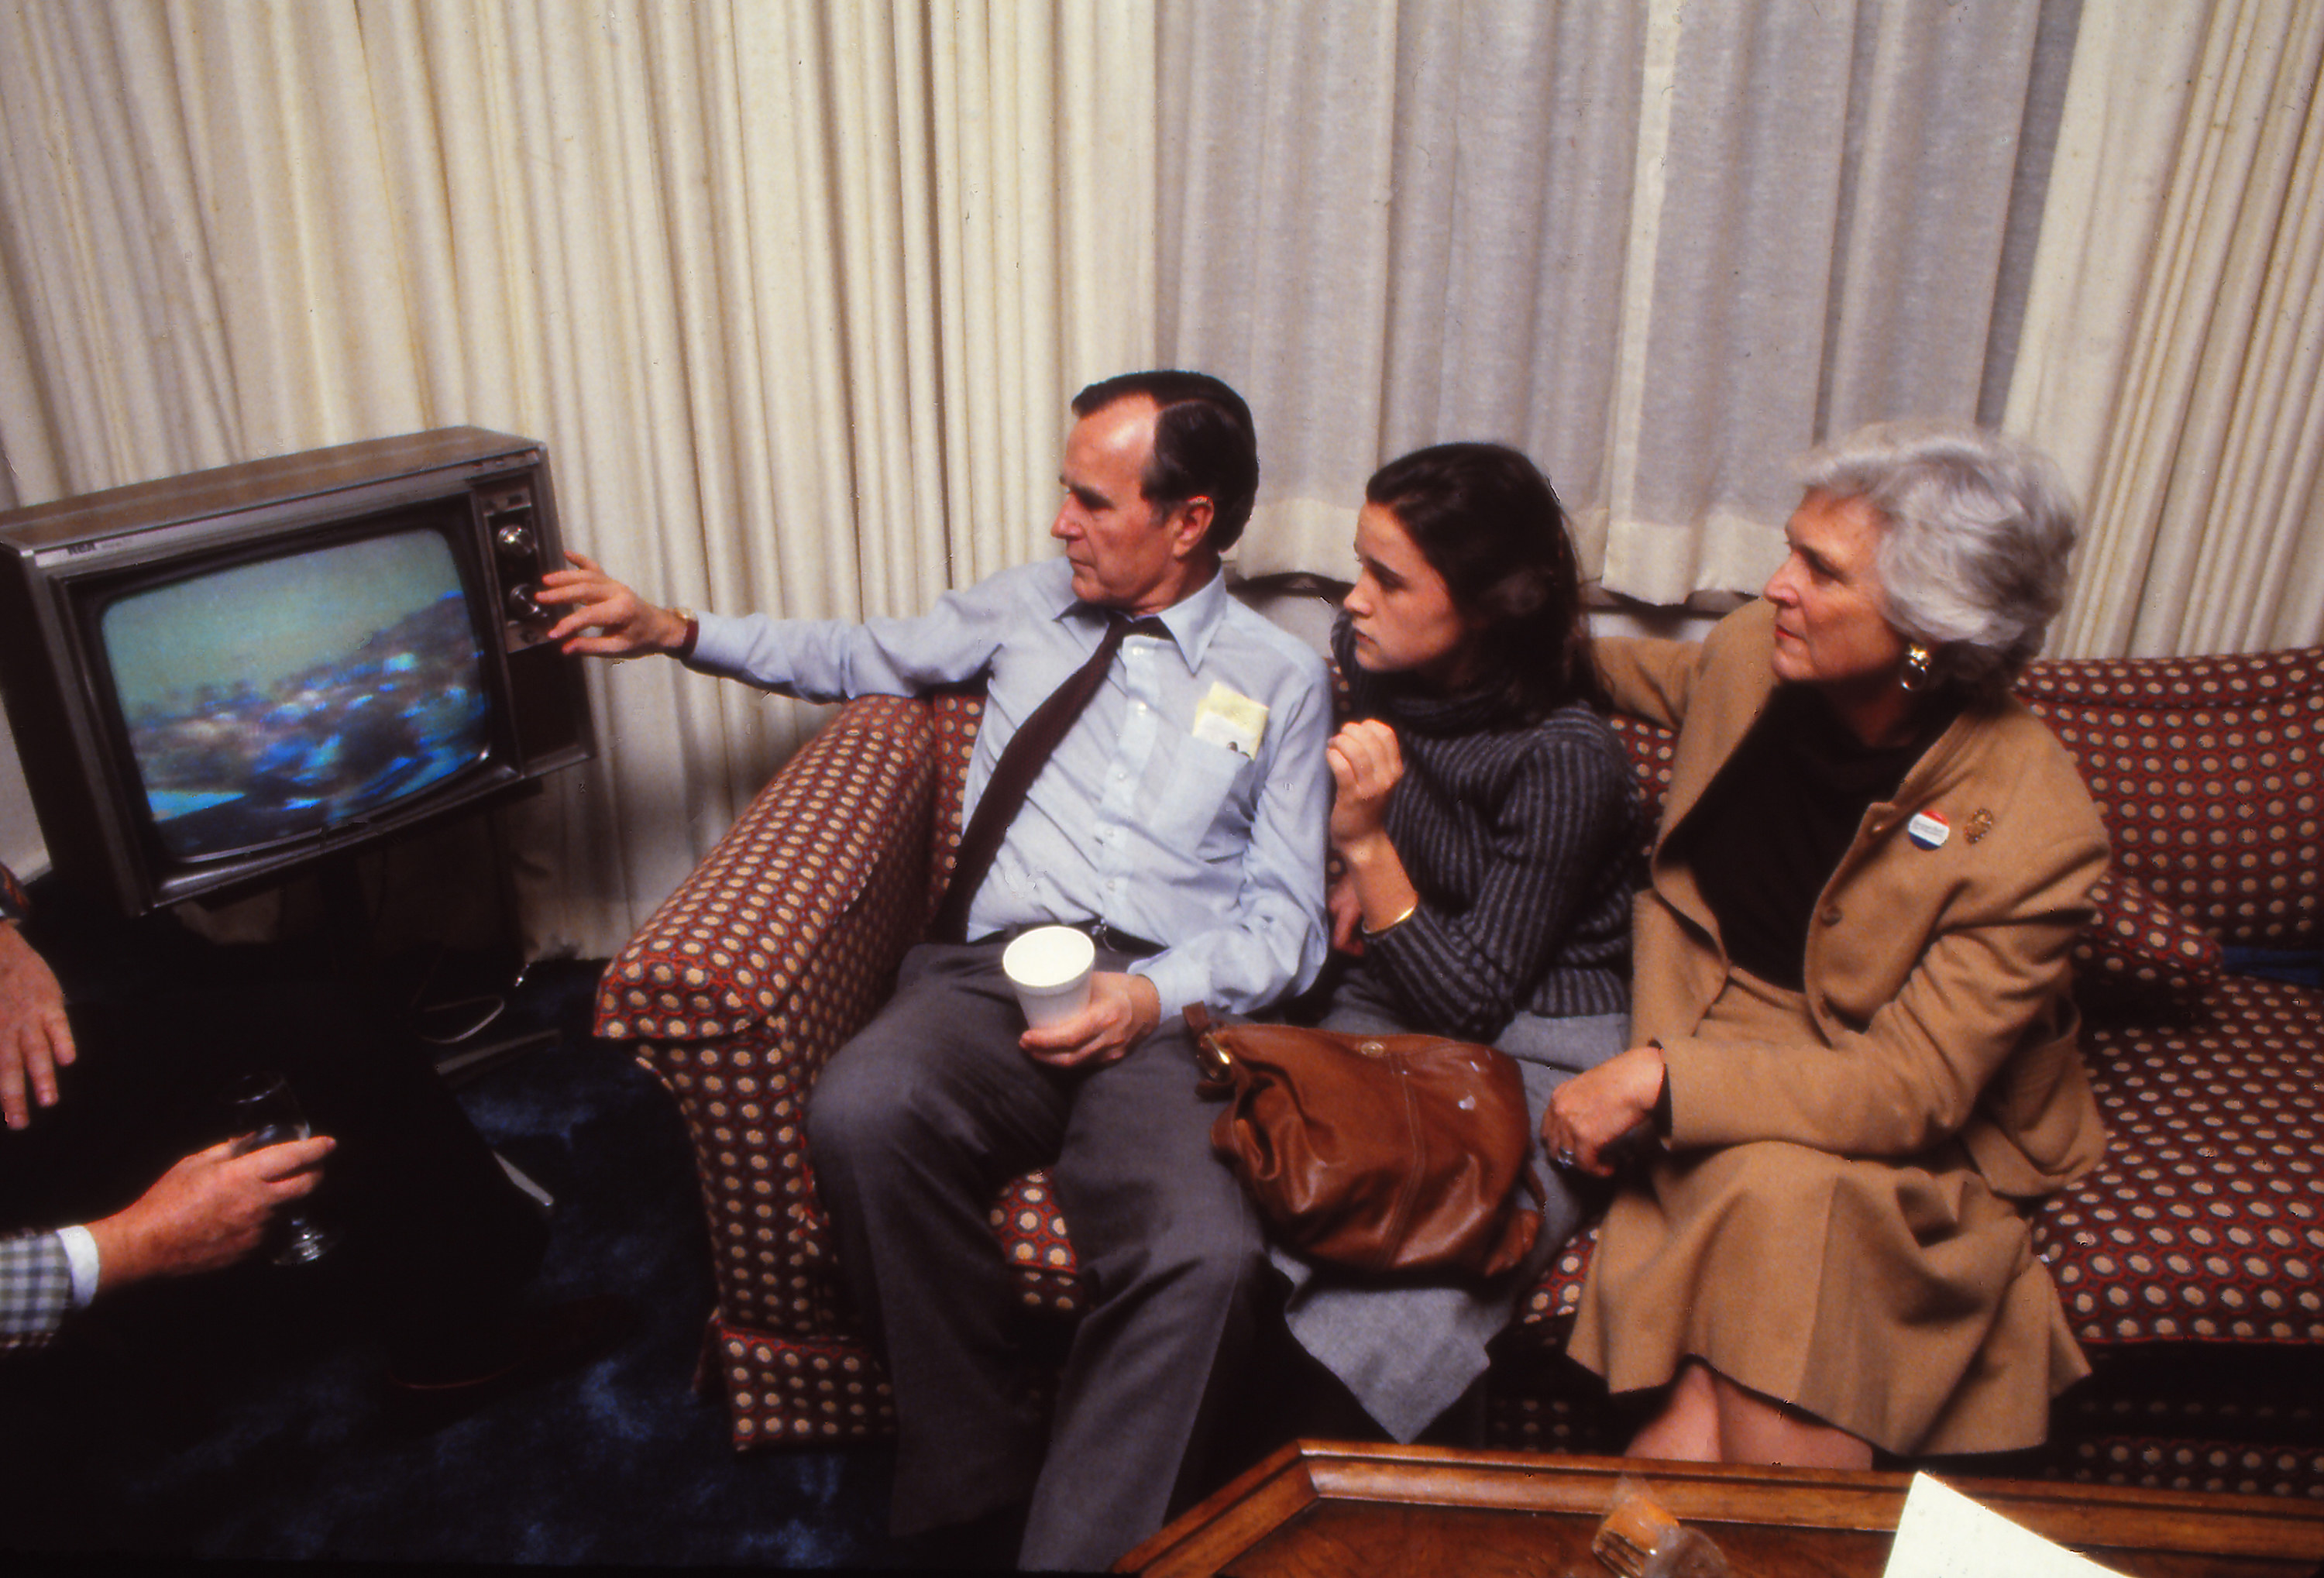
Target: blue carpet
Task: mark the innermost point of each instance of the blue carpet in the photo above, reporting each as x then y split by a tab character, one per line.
238	1416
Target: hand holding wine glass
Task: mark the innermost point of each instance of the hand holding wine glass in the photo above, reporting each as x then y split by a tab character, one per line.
266	1113
205	1213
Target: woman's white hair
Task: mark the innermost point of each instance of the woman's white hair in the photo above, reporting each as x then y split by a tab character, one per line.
1972	562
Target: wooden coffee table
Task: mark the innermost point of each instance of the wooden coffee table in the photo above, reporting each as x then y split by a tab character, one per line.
1324	1510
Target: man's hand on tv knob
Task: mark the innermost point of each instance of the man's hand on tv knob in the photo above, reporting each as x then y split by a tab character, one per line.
626	624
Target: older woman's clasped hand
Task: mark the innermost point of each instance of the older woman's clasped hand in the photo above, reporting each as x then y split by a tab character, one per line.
1594	1108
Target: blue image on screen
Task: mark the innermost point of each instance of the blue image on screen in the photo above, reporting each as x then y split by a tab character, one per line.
269	700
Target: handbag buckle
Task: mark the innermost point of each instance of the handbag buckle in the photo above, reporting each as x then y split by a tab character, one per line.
1213	1059
1216	1064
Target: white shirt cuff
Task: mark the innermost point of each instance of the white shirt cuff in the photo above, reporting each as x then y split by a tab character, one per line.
80	1255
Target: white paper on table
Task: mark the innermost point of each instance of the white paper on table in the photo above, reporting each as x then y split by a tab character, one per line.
1943	1534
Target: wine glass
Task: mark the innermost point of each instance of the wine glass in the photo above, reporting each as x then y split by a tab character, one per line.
267	1112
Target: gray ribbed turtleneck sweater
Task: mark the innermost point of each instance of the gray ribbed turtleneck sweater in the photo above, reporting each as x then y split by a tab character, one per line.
1522	840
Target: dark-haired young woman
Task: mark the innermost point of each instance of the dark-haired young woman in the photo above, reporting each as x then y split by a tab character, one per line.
1489	826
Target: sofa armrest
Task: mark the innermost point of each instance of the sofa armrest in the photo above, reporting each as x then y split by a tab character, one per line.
740	938
736	992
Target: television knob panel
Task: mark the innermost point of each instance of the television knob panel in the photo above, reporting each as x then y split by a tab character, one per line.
518	512
508	513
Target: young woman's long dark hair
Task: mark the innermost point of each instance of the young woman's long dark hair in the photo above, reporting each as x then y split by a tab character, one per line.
1486	518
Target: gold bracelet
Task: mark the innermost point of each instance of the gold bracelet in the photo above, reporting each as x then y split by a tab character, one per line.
1410	911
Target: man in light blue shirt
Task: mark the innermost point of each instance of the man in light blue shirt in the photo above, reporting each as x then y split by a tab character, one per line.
1181	821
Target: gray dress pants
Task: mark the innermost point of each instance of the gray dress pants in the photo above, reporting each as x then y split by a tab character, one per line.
914	1126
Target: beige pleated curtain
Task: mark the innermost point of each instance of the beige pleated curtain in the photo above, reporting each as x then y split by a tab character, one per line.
795	289
1665	247
2173	357
1660	246
795	292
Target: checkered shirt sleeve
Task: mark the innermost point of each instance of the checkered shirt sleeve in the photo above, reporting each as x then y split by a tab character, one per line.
14	904
35	1290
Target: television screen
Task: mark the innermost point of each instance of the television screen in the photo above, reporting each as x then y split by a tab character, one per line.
267	700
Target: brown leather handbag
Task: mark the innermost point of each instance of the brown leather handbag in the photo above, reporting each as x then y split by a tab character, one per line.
1382	1153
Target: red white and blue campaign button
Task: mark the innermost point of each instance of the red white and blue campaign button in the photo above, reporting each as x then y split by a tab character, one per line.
1928	829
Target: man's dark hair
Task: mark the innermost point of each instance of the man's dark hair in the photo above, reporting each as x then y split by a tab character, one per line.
1204	445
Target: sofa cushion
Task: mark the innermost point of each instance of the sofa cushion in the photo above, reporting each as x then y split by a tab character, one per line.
2206	771
2137	950
1032	1238
956	715
2205	1220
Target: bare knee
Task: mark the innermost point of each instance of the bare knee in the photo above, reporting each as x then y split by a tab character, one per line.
1685	1428
1756	1428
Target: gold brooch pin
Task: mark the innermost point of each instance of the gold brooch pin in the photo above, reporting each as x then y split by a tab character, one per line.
1981	822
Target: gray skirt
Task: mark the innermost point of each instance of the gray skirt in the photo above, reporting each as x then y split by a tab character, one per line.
1408	1350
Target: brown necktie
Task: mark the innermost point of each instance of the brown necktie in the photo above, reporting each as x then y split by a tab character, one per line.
1021	760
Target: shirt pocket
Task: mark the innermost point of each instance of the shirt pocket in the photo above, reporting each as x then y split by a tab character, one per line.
1201	777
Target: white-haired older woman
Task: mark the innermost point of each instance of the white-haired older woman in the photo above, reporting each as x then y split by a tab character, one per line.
1851	1017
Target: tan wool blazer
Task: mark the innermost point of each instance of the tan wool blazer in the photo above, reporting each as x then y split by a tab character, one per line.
1938	978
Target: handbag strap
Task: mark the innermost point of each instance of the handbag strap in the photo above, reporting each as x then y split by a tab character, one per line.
1211	1056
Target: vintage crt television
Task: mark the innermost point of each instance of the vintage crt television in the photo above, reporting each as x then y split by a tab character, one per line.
216	679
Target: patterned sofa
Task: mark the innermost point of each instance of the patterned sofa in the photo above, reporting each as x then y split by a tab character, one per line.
2188	1263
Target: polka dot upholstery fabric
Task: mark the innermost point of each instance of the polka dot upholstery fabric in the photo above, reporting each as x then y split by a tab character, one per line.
800	1390
777	948
2206	770
2223	1466
2138	948
1545	1316
733	944
1650	746
1032	1235
2205	1222
956	715
2234	1427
